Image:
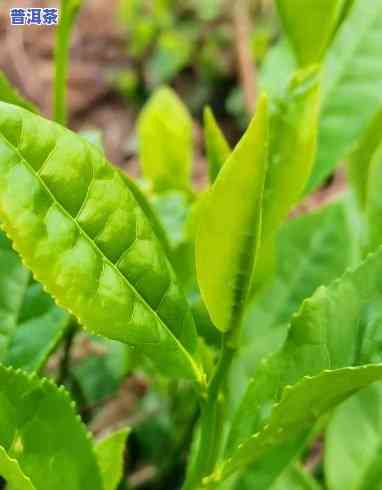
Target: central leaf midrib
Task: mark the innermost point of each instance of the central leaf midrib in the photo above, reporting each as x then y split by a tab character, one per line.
98	250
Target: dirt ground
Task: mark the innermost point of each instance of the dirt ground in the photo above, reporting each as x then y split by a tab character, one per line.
98	49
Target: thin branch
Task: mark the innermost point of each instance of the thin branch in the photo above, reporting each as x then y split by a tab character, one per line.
247	70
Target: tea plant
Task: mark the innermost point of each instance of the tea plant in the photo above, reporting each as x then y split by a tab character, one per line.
264	326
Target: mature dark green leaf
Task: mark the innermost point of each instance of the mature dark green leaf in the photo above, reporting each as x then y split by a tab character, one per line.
110	455
353	443
165	141
79	228
48	452
31	324
14	279
218	149
310	26
229	225
41	326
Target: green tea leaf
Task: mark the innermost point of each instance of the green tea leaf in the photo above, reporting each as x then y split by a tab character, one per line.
165	141
300	406
353	443
41	326
229	225
11	472
352	89
150	213
31	325
277	69
9	94
296	478
310	26
293	137
79	228
110	455
217	148
47	452
360	158
328	333
373	211
14	279
311	250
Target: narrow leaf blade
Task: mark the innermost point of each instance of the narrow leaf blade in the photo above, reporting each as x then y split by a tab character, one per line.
229	226
217	147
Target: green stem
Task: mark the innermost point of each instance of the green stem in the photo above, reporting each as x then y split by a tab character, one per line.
69	11
211	422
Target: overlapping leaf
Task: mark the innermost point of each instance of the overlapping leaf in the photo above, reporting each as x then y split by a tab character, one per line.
12	474
327	334
293	134
81	231
312	250
48	453
217	147
229	225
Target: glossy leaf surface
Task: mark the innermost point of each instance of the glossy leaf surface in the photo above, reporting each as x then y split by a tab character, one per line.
310	26
218	149
110	456
48	452
229	226
79	228
165	141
